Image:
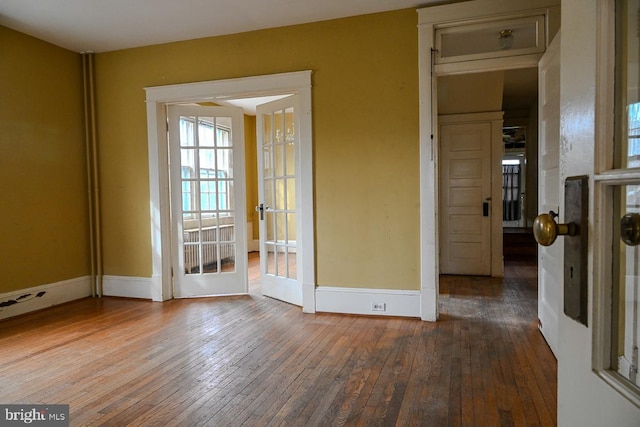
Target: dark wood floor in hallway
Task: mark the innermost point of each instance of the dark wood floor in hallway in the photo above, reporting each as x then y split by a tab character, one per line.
250	360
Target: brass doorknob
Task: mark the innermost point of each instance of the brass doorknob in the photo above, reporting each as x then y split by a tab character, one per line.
546	229
630	229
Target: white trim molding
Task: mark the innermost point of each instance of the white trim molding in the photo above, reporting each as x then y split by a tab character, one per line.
36	298
377	302
253	245
127	287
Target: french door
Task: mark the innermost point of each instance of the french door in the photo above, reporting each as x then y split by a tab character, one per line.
206	156
279	196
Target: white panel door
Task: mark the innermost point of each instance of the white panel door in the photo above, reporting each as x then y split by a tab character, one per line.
208	207
279	197
465	192
550	264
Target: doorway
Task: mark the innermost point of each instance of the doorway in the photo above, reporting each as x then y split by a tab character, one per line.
441	29
217	92
509	199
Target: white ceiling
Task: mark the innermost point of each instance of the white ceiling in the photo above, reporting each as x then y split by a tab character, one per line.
106	25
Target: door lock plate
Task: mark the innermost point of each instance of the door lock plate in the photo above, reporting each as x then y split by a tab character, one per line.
576	207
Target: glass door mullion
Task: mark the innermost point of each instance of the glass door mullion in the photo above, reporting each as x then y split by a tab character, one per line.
196	143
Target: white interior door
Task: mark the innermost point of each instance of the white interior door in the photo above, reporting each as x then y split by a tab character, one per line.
550	265
465	193
279	198
206	156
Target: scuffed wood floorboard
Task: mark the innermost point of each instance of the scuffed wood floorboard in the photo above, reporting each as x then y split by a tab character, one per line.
250	360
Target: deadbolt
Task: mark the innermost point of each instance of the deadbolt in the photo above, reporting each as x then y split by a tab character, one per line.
630	229
546	229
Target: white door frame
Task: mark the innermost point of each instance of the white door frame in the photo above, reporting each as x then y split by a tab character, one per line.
428	19
157	99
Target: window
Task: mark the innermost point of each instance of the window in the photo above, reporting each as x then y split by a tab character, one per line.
489	39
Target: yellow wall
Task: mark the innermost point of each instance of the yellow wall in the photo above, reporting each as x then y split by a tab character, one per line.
251	165
365	129
42	164
470	93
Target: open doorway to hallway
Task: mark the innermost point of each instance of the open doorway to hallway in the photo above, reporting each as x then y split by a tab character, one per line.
516	93
514	198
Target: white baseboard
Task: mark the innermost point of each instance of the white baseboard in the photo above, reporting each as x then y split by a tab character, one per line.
127	287
31	299
253	246
361	301
328	299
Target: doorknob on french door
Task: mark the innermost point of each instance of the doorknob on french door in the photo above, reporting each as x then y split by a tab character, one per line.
630	229
260	209
546	229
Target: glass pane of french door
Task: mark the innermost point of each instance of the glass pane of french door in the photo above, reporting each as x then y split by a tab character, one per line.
279	183
209	246
206	161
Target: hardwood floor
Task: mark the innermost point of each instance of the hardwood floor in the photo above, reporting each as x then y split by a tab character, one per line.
250	360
